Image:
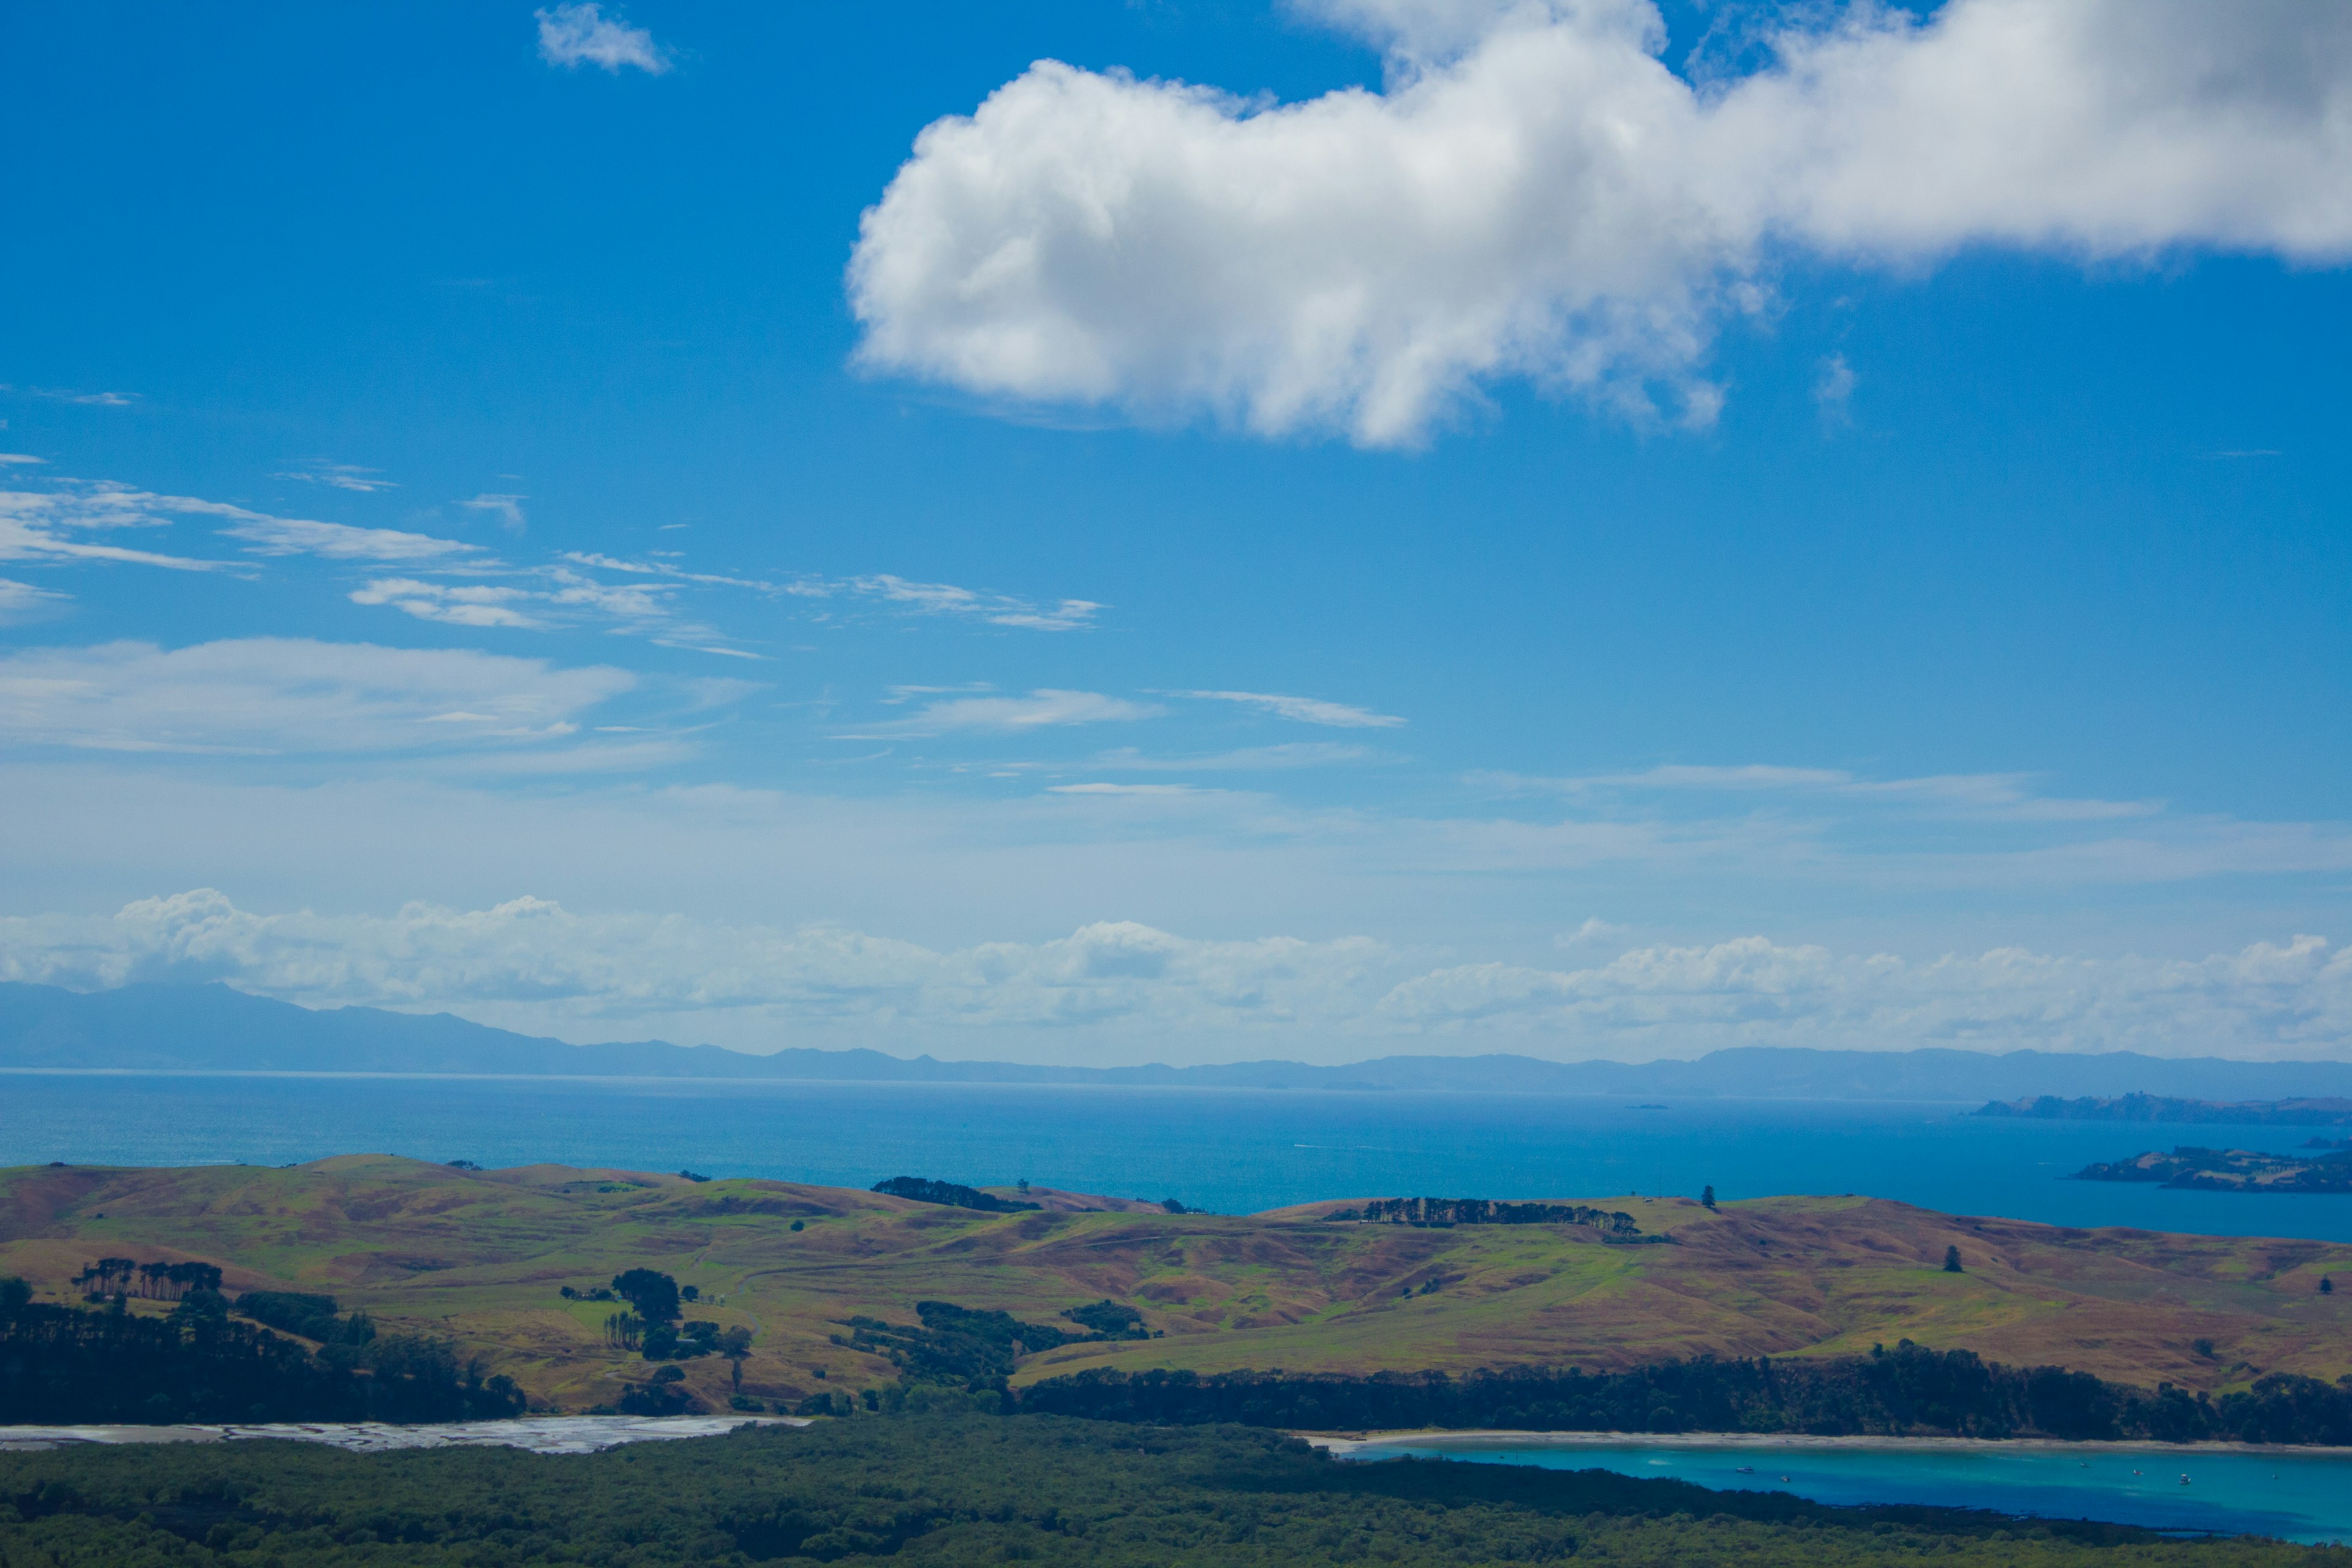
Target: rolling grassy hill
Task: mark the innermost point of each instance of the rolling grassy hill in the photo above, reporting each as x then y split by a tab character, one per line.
480	1257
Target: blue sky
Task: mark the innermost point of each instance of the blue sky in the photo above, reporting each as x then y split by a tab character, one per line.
1382	559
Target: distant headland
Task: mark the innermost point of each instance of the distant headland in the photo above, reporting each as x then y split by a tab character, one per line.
2328	1112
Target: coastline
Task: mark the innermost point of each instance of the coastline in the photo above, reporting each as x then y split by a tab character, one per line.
1346	1444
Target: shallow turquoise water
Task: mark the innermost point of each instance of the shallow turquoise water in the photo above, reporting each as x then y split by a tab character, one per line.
1235	1152
2295	1496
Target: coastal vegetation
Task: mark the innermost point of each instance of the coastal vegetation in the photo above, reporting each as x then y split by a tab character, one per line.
950	1488
1905	1391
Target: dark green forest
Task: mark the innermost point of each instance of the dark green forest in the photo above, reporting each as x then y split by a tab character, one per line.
64	1364
1908	1389
953	1490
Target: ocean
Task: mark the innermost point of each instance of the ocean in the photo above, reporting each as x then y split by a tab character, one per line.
2293	1494
1229	1150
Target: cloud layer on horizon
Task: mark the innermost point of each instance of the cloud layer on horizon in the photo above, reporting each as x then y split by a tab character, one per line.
531	960
1535	194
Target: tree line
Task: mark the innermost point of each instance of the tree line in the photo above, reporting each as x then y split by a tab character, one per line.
157	1281
1908	1390
943	1488
63	1365
953	1194
1613	1224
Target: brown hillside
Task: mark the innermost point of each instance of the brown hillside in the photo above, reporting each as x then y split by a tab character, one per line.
480	1257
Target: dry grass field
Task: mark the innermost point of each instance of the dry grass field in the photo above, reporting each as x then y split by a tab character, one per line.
480	1257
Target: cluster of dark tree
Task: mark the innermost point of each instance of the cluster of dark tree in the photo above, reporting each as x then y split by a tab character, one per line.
157	1281
312	1317
1110	1320
1906	1390
2228	1171
954	1489
953	1194
654	1330
954	1345
1614	1223
65	1364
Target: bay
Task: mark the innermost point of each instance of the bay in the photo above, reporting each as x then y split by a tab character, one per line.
1229	1150
2294	1494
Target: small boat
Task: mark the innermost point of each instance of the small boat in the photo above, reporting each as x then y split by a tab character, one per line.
2184	1481
1744	1470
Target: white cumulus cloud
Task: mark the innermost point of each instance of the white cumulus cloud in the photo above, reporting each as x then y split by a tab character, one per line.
1534	194
2273	999
574	35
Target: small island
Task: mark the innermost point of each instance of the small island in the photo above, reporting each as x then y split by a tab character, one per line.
2229	1171
2324	1112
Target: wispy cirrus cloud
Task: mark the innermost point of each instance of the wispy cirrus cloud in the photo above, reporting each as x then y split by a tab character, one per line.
1047	708
1154	791
665	568
21	601
947	599
279	696
577	34
269	535
1303	709
2003	796
1244	759
66	394
505	509
338	476
55	521
56	525
452	603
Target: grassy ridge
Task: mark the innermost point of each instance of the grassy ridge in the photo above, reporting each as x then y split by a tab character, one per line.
477	1258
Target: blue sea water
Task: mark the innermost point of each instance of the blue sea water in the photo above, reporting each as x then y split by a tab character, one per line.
2294	1495
1231	1151
1237	1152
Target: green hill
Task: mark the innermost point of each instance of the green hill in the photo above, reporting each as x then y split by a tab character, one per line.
481	1259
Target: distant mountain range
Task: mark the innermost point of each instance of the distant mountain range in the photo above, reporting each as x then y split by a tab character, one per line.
212	1029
